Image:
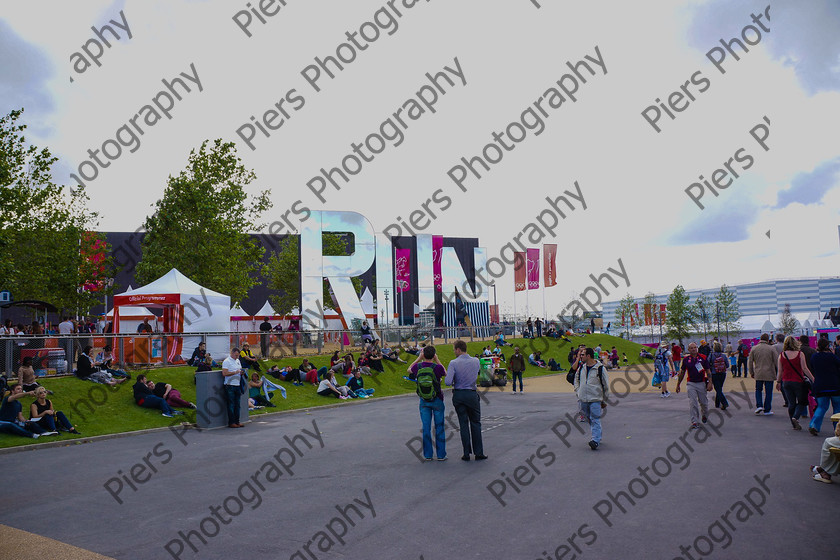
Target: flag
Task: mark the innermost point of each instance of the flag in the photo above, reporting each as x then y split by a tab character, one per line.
437	255
533	269
403	270
550	265
648	314
638	319
519	270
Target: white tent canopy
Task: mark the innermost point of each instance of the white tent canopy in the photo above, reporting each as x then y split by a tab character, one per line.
188	307
266	311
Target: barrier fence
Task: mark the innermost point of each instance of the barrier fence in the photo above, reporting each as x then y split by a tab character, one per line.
58	354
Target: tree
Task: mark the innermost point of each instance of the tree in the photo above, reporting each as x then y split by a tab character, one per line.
728	311
787	322
201	226
703	314
681	318
43	226
282	272
650	305
626	308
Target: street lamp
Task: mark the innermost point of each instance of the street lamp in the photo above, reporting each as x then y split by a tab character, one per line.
495	304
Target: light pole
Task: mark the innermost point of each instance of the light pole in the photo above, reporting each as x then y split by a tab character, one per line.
387	313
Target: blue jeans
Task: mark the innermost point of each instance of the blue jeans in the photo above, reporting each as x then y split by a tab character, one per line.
822	408
48	422
592	411
717	383
232	395
14	429
151	401
516	374
427	409
767	387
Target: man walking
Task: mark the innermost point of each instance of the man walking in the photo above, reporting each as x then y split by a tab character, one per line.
461	375
663	364
428	373
232	370
762	366
592	389
698	384
517	366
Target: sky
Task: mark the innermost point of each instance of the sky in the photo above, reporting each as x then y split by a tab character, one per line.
633	178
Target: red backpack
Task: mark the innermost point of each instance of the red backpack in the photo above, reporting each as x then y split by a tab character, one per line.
720	363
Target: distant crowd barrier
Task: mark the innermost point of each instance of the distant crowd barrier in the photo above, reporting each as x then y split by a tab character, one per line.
58	354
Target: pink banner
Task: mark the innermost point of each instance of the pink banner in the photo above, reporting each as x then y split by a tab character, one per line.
402	270
437	254
533	256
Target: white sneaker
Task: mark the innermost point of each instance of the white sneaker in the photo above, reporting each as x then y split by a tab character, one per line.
667	394
50	434
661	395
759	410
768	413
36	436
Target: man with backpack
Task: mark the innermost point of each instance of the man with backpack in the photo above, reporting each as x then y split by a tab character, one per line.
743	356
427	371
663	364
592	389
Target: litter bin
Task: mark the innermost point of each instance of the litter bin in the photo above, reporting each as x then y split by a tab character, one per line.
211	401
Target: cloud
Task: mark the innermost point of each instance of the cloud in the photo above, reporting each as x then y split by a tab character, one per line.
810	187
722	223
25	71
802	35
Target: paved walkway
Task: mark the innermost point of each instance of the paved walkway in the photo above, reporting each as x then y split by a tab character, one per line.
346	482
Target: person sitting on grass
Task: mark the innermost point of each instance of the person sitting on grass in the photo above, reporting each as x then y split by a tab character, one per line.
86	370
829	463
553	365
334	359
255	385
11	416
356	384
26	375
170	395
497	351
500	339
535	359
144	397
644	354
205	365
415	350
392	354
247	359
308	371
328	388
373	359
105	360
41	411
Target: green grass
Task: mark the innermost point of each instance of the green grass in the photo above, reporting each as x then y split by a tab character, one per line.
98	409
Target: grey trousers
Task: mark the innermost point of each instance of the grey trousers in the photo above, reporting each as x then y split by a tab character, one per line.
697	401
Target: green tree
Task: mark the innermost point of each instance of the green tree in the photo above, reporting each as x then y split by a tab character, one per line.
787	322
704	314
681	318
728	311
201	226
626	308
282	272
43	239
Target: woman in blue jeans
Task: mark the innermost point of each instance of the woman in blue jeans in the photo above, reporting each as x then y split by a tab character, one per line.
826	369
42	411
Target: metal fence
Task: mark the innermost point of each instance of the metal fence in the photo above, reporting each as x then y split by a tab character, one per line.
58	354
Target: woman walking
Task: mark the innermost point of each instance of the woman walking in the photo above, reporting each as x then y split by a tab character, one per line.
719	363
791	376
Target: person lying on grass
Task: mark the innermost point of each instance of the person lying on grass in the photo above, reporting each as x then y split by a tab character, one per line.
145	397
170	395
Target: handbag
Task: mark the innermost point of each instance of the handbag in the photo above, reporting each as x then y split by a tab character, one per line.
806	383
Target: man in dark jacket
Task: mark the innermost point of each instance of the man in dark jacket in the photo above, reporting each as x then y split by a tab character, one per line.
517	366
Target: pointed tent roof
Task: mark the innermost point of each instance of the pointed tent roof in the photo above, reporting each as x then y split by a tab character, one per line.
768	326
173	282
236	312
266	311
807	325
367	302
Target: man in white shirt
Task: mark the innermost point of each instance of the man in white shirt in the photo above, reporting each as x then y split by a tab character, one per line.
231	370
64	328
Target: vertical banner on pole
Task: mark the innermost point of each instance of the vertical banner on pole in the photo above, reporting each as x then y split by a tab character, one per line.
519	272
550	265
533	269
648	314
437	253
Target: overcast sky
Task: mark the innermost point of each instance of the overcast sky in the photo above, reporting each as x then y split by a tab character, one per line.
633	178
